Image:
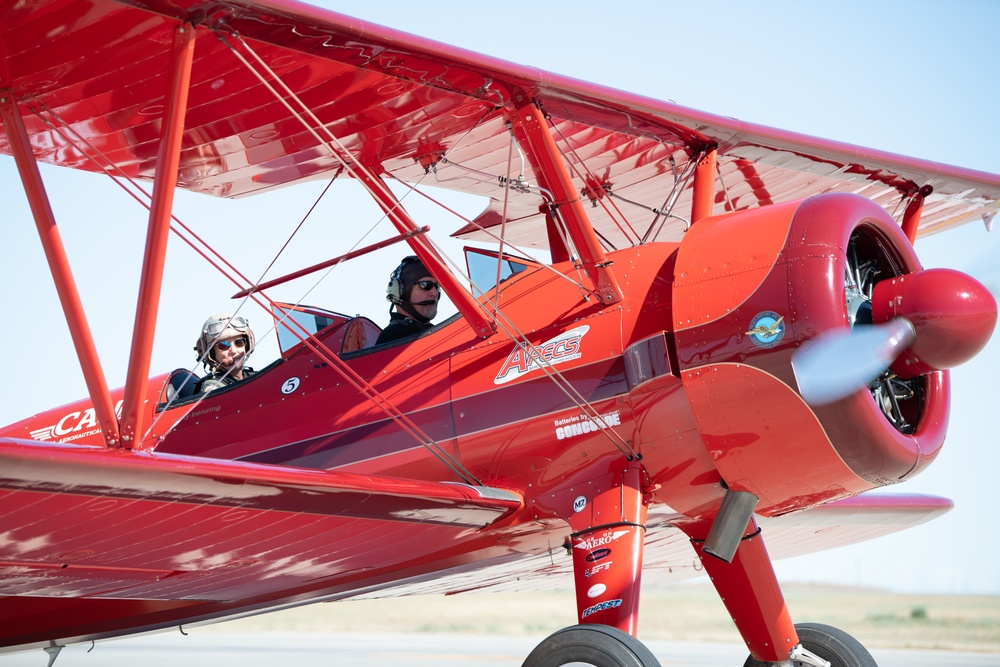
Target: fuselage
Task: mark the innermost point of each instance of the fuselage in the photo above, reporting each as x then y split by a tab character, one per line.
568	388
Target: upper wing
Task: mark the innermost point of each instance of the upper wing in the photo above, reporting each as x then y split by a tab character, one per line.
282	92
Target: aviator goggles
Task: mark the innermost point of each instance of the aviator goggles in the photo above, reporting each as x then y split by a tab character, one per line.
217	327
226	344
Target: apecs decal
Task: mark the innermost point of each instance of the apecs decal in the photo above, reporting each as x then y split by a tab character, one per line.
524	359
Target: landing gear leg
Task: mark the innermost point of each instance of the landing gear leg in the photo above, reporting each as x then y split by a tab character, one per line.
749	589
607	551
609	527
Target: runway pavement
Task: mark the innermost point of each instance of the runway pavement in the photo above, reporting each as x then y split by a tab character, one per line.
214	649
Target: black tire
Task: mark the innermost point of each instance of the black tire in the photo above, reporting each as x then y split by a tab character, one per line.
593	644
829	643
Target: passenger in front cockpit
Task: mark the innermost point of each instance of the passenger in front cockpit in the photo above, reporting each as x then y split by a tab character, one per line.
223	346
414	294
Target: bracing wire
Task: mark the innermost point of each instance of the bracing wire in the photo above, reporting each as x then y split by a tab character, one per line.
616	216
348	163
230	272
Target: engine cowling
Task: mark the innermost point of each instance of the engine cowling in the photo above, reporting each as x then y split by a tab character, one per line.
750	288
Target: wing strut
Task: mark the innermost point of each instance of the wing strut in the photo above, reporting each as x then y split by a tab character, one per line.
59	266
911	217
165	180
530	120
703	196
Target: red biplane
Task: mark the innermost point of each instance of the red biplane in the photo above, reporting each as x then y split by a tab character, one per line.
728	341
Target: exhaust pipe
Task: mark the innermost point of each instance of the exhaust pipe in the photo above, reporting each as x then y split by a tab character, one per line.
729	525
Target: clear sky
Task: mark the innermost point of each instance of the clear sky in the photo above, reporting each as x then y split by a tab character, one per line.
916	78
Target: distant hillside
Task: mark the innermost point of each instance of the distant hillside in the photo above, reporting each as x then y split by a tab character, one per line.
691	612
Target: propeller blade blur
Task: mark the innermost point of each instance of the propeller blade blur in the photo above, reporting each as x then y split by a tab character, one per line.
835	365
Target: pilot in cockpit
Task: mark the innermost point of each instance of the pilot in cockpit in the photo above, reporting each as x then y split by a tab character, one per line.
414	294
223	346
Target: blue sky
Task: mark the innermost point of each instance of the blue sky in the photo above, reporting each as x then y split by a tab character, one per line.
915	78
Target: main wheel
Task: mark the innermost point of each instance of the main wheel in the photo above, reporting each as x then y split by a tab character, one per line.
592	644
829	643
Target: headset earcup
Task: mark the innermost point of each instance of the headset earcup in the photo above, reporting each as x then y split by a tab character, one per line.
394	291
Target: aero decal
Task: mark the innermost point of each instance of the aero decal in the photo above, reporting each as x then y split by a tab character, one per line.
79	424
564	347
607	537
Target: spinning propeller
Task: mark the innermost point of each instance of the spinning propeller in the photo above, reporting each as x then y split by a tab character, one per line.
920	322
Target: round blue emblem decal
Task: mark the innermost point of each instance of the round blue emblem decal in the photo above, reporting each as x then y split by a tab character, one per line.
767	329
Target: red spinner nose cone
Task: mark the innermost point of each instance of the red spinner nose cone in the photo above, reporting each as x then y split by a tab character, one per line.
953	315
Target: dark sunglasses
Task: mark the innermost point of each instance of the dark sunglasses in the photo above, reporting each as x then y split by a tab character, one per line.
427	285
226	344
